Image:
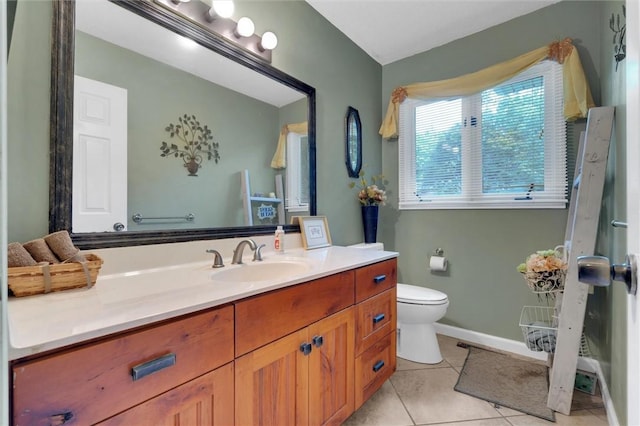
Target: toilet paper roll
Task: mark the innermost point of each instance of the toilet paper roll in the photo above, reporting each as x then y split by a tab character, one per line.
438	263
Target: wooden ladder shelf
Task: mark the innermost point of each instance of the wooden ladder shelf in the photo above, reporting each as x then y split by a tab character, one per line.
580	240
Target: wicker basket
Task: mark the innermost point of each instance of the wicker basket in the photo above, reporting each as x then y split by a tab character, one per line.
545	281
30	280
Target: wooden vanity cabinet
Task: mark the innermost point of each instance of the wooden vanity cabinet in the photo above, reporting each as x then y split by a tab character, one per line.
308	354
306	376
90	383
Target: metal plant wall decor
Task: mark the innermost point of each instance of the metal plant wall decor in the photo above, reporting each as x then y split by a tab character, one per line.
197	143
619	31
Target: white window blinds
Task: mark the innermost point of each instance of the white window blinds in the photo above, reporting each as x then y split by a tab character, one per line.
502	148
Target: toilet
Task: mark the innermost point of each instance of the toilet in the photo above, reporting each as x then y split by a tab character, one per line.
418	309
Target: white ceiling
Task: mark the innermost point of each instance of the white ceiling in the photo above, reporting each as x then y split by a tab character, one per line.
390	30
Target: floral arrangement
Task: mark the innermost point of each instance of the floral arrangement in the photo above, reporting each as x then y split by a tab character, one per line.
544	271
543	260
373	194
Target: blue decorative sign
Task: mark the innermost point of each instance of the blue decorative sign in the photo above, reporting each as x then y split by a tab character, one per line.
266	212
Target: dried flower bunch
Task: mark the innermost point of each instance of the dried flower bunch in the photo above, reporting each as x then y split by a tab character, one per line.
373	194
543	261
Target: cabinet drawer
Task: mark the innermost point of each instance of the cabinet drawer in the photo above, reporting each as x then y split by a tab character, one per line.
205	400
375	317
374	279
88	384
267	317
374	366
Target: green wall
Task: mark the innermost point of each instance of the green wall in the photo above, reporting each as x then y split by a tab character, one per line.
483	246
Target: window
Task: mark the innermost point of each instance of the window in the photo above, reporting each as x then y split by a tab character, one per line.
502	148
297	195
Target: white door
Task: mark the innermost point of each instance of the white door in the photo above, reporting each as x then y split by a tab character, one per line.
633	205
99	157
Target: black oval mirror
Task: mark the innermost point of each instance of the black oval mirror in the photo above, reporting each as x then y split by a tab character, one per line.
353	142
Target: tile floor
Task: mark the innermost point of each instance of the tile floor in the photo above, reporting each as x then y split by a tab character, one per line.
420	394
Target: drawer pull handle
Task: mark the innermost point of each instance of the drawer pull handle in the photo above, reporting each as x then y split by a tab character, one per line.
305	348
378	279
378	318
377	366
318	341
62	418
141	370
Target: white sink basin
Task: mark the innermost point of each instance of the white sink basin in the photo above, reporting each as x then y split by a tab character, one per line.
260	271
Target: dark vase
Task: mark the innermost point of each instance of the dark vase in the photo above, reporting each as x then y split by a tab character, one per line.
370	223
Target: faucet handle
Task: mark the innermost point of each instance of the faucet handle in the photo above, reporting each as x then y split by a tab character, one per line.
217	259
257	254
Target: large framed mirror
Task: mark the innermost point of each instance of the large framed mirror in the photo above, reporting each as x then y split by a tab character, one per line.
220	184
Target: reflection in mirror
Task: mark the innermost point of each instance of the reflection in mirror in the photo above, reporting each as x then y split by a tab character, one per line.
353	142
243	114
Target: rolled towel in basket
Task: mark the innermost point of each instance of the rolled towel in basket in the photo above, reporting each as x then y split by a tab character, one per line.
17	256
61	245
541	340
40	251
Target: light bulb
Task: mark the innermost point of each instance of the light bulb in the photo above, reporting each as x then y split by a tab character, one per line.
245	27
269	41
223	8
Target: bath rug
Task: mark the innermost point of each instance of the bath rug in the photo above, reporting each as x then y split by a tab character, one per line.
506	381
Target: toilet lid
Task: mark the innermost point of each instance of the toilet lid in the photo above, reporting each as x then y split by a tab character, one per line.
420	295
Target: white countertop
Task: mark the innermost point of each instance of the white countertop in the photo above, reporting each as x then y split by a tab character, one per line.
123	300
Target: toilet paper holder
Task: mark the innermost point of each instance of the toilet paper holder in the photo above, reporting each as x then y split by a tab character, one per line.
438	251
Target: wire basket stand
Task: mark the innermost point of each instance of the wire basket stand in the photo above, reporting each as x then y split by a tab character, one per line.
539	326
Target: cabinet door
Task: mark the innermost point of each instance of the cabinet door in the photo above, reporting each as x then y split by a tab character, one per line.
272	383
331	369
205	401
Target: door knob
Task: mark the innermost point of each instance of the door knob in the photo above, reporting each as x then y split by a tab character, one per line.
118	227
598	271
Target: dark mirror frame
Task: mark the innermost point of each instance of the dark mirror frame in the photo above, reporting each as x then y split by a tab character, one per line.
61	127
353	115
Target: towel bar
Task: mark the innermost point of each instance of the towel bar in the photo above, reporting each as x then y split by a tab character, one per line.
137	218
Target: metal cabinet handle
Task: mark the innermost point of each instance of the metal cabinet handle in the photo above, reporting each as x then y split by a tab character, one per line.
118	227
379	278
61	418
318	341
377	366
378	318
141	370
305	348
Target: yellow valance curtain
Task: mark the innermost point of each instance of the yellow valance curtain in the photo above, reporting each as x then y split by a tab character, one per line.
577	95
279	160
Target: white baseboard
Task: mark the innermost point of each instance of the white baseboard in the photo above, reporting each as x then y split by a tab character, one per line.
519	348
500	343
612	417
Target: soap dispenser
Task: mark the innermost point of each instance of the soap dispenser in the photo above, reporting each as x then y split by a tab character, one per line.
278	242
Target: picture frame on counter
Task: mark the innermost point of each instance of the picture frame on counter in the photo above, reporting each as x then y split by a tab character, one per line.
315	232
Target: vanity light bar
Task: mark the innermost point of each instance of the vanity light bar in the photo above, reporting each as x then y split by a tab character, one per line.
226	28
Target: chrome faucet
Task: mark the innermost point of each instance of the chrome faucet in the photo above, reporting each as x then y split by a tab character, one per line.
217	259
237	253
